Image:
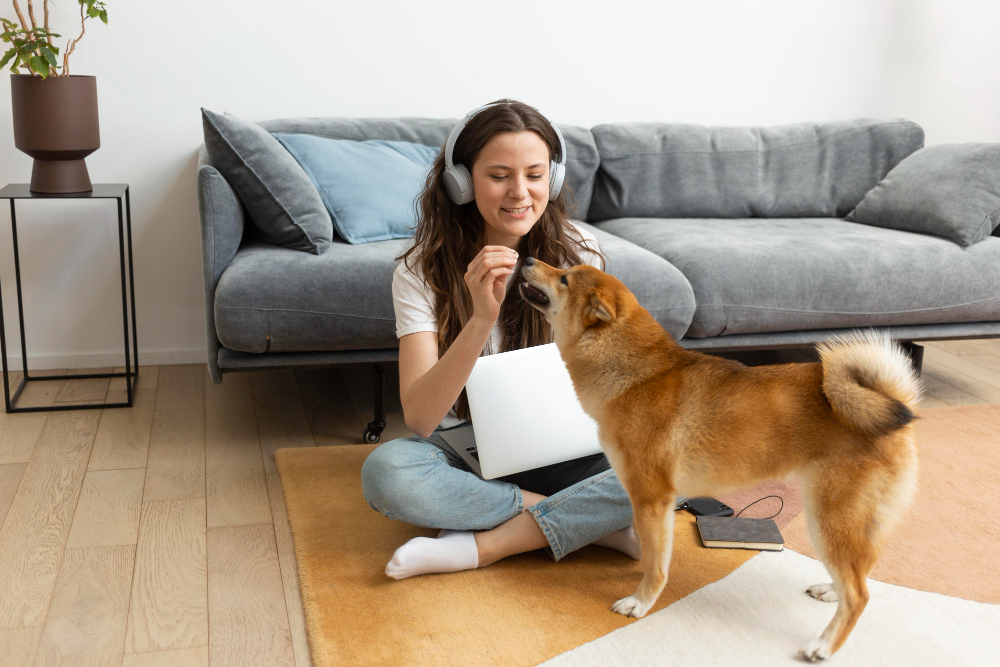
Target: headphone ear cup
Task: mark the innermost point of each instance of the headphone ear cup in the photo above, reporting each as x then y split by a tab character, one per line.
458	183
557	173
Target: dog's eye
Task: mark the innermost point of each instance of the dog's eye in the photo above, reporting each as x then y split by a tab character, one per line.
563	280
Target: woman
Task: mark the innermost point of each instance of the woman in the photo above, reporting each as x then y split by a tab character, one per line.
453	302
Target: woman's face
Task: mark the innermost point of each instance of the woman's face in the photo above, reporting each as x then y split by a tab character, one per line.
511	180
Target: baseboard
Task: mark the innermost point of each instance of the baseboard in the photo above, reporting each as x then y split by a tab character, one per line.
42	362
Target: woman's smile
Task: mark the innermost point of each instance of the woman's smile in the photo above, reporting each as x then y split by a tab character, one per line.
517	212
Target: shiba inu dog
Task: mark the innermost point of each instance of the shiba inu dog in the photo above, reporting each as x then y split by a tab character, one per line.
674	421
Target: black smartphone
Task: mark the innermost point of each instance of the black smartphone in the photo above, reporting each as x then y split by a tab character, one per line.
706	507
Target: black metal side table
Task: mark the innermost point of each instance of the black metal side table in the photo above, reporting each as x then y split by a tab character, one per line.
117	191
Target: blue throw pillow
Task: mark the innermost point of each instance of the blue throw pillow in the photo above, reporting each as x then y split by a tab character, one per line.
369	187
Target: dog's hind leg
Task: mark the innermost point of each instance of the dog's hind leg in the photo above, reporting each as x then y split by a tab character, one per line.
654	525
843	541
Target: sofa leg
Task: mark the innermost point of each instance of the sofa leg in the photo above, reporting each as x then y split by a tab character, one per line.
373	433
915	353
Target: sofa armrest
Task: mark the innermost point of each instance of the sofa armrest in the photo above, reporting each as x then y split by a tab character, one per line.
222	222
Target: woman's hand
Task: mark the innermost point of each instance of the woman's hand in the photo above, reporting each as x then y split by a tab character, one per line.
486	279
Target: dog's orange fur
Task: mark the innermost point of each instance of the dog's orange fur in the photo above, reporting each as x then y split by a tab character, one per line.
674	421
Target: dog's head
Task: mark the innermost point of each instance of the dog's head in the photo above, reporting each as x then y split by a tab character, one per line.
574	300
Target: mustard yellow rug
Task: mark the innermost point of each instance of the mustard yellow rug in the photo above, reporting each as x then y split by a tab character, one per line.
520	611
527	609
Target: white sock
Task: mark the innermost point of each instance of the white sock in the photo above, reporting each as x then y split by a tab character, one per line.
453	550
623	540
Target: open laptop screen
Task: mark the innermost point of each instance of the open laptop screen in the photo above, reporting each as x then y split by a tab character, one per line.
525	413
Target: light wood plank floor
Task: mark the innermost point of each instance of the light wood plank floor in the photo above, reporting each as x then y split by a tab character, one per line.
157	535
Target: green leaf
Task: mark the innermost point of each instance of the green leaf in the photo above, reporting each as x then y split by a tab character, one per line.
104	16
6	57
50	58
93	12
39	65
55	49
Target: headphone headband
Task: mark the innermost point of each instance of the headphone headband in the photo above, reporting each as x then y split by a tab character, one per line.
458	180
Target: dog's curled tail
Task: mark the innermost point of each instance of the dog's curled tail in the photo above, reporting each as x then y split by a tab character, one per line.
870	382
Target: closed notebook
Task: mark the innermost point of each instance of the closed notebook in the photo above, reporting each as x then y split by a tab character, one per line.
725	532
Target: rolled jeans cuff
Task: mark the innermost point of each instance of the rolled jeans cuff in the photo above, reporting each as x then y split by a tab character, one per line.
600	506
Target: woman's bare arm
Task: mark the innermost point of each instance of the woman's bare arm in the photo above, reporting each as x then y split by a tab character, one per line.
429	386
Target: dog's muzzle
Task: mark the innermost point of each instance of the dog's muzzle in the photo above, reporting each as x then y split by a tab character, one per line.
533	295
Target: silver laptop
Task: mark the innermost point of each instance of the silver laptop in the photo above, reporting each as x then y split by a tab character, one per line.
525	414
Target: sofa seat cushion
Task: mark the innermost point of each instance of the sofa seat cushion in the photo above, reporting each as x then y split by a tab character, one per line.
764	275
272	299
656	283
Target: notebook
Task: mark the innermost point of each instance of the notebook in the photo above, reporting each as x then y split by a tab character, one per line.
723	532
525	414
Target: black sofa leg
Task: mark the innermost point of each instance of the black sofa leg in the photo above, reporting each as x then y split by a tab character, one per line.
915	353
374	431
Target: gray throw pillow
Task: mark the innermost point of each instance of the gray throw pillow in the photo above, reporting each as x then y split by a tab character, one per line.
282	201
950	190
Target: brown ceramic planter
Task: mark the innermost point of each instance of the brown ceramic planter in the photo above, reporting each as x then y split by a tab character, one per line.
55	122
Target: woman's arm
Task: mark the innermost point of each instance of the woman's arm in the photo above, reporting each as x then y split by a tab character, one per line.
429	386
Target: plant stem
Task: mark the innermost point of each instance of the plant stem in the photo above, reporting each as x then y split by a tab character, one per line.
72	44
20	16
29	36
45	6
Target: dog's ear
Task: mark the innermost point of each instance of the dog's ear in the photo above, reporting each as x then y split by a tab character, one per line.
601	308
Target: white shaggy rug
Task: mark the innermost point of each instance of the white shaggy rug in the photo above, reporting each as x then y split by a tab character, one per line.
760	615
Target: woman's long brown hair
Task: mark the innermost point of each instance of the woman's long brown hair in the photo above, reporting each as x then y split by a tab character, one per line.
449	236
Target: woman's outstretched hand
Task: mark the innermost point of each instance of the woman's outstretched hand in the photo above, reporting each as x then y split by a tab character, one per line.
486	279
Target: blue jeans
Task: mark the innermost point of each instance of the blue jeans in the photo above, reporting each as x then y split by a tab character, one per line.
423	482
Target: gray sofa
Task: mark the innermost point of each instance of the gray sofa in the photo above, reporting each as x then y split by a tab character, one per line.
733	238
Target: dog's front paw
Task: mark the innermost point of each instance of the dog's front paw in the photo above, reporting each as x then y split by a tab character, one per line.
815	651
824	592
631	606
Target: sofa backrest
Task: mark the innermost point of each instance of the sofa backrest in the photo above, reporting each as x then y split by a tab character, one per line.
664	170
581	164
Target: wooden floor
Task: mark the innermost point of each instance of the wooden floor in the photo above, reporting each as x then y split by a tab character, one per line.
157	535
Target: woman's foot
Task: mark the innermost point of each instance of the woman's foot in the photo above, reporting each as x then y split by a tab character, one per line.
623	540
456	550
452	551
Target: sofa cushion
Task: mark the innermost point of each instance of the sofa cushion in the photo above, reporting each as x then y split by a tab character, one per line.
581	163
763	275
272	299
667	170
283	204
656	283
951	190
369	187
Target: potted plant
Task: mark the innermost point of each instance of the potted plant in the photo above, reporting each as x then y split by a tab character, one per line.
55	114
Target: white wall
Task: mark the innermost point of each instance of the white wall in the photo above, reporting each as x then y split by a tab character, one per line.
723	62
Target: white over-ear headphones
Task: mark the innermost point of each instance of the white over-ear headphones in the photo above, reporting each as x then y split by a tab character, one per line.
458	180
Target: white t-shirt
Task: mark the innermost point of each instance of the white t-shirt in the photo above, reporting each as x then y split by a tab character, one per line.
413	301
